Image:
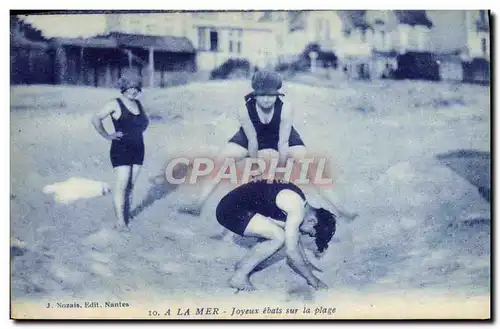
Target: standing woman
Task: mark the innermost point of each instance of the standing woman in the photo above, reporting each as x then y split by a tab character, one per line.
127	142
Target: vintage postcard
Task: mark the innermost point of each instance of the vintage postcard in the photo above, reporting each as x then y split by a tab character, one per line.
250	165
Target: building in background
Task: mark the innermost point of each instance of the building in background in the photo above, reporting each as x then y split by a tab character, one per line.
460	41
153	24
478	36
373	40
322	28
99	61
217	36
357	46
411	33
466	32
449	45
255	36
368	44
31	59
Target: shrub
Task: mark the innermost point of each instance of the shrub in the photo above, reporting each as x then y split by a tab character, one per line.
231	68
325	59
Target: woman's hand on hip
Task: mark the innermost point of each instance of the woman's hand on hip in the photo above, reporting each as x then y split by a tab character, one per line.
115	136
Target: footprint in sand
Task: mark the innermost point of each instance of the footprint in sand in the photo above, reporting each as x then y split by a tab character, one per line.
99	257
43	281
103	238
182	232
302	292
45	229
101	269
171	267
63	274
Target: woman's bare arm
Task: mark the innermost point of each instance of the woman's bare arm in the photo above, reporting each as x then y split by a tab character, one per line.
249	129
284	133
109	109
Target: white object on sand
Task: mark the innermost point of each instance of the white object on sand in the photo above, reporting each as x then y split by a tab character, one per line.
76	188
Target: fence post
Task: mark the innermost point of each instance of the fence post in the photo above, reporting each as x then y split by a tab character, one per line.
30	66
81	77
129	53
313	55
151	67
61	65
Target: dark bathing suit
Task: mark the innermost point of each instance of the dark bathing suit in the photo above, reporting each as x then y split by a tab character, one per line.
237	208
129	150
267	134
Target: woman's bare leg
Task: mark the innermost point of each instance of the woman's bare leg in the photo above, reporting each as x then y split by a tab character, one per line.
231	150
122	181
136	169
263	227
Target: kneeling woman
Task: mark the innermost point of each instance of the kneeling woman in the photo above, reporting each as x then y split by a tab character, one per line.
279	213
127	142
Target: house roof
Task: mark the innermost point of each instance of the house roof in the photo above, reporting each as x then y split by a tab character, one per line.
267	16
354	19
358	18
385	54
296	20
116	39
413	17
162	43
453	56
94	42
24	34
23	42
19	25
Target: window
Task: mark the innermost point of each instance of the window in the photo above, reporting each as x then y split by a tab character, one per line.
383	39
369	36
421	41
235	41
205	15
202	38
230	41
150	28
279	41
482	16
134	25
247	15
421	38
363	35
403	39
319	28
214	41
238	43
484	46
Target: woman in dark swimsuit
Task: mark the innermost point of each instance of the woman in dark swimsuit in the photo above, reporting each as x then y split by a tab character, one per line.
127	142
278	213
266	131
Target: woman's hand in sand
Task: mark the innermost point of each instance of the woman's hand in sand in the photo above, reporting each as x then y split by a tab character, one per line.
314	267
192	208
321	285
318	284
